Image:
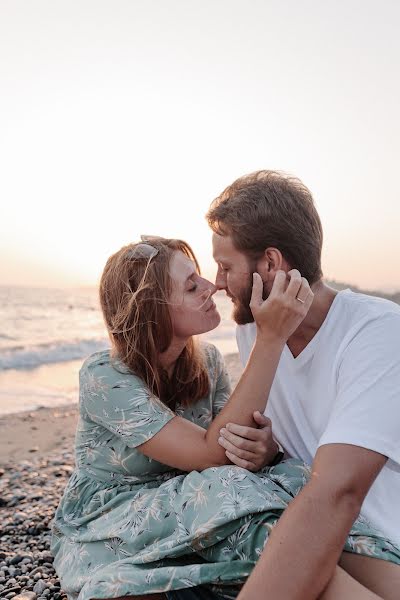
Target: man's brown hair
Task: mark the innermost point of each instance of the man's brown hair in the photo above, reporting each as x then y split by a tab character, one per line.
271	209
134	297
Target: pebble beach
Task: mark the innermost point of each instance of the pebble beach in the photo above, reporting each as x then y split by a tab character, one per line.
36	460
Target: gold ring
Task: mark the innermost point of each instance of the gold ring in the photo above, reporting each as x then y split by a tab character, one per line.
300	300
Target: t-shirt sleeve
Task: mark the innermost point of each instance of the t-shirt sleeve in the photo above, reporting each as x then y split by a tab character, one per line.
367	408
122	404
245	338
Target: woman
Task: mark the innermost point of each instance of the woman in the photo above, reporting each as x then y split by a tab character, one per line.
153	505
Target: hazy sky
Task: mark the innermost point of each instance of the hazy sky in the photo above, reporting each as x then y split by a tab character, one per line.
123	117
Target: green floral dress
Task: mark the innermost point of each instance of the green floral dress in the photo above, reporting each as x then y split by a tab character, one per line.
129	525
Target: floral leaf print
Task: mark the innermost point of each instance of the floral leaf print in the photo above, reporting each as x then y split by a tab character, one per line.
363	545
115	545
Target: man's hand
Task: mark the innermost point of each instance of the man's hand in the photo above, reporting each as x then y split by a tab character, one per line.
248	447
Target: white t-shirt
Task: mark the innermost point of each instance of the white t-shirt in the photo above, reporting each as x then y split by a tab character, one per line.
344	388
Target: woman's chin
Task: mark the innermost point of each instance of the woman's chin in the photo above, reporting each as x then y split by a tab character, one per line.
213	320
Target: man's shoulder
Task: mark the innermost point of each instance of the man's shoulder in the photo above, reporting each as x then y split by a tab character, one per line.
362	308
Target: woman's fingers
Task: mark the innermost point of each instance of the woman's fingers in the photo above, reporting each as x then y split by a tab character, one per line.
305	294
279	284
257	291
294	284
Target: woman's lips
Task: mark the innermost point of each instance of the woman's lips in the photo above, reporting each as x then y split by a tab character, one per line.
211	307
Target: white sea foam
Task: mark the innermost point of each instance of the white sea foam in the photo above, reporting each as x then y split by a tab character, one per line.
46	334
20	357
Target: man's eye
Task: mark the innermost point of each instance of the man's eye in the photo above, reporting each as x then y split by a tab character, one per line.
193	288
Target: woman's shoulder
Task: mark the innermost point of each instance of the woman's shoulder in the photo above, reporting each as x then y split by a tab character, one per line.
103	365
209	349
212	355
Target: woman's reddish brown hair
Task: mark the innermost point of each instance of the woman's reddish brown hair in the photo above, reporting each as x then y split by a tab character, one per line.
134	297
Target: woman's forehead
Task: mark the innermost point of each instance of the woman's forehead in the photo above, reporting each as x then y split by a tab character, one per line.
181	267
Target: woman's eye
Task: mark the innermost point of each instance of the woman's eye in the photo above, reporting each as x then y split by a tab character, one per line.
193	288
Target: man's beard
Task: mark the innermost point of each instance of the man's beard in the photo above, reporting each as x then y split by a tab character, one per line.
241	308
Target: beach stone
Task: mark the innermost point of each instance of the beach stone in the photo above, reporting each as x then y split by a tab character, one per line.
26	596
39	587
12	590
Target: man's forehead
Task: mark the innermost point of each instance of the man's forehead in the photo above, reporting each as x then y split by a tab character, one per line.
223	248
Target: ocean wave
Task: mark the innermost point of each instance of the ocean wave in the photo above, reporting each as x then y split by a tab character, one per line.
23	357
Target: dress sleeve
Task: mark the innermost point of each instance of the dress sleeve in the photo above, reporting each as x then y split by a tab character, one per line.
367	407
222	384
122	404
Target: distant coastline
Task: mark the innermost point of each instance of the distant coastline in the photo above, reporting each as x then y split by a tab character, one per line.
339	285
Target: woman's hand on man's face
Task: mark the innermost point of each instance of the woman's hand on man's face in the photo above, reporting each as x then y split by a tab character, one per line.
287	304
249	447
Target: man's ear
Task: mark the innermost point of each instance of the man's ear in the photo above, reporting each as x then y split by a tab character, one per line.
271	262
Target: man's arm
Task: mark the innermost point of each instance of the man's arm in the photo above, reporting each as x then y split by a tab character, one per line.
304	547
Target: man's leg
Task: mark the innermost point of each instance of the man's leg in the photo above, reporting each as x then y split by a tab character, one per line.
343	587
380	576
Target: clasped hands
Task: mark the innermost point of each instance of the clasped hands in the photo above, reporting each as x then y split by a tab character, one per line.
248	447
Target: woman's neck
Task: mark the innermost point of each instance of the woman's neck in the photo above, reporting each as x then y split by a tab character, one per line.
171	355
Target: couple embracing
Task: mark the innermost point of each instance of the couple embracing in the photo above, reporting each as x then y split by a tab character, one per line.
286	488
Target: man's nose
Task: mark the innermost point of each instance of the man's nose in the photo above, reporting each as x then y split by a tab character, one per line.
220	281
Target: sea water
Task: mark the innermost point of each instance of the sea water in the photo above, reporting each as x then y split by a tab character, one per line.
45	334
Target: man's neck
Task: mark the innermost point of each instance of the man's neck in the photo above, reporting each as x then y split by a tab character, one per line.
322	302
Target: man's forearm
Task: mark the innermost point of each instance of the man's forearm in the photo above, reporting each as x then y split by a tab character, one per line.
304	548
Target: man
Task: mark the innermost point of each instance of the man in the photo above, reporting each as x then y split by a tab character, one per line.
335	400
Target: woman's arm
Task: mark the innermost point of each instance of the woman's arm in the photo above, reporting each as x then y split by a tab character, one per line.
187	446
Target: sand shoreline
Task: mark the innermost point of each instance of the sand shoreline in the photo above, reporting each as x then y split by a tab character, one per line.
40	432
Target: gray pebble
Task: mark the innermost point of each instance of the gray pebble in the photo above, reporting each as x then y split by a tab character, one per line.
39	587
35	570
15	590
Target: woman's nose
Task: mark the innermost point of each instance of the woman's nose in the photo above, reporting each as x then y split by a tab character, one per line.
210	288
